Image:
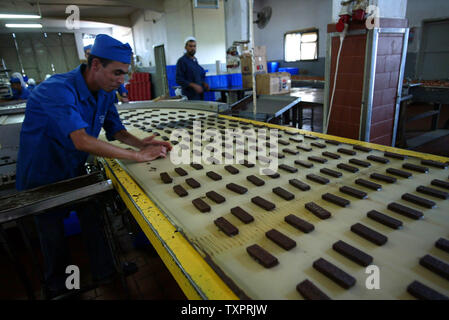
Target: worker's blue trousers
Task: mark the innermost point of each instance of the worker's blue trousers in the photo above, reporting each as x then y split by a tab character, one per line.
50	227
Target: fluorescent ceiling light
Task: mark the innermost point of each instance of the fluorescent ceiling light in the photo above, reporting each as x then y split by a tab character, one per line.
23	25
19	16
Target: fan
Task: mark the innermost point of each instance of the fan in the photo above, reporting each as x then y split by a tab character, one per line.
263	17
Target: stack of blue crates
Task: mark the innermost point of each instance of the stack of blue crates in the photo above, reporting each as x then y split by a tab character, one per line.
214	81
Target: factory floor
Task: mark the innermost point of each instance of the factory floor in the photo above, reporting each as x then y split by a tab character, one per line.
153	280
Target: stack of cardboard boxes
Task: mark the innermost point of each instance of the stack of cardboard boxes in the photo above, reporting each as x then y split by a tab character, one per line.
266	83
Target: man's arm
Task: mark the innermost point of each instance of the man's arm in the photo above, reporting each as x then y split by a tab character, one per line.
131	140
87	143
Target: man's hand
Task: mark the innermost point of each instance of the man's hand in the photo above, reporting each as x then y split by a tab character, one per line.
196	87
206	86
151	152
150	141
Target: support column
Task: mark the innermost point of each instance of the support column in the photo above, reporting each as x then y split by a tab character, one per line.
366	102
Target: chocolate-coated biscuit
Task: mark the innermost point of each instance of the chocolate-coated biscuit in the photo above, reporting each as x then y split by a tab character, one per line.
352	253
311	292
369	234
165	177
299	184
228	228
180	191
405	211
368	184
418	200
236	188
264	204
423	292
433	192
201	205
283	193
299	223
244	216
354	192
262	256
280	239
317	210
217	198
317	178
334	273
384	219
331	173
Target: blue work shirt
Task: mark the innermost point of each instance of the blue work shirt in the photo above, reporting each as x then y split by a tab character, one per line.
188	70
56	108
22	95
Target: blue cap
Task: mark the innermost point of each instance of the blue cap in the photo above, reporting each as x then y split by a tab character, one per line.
112	49
87	47
14	80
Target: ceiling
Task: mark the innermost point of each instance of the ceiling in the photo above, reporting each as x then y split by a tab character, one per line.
90	10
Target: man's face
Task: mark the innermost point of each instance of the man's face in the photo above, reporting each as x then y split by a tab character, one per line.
110	77
191	48
87	53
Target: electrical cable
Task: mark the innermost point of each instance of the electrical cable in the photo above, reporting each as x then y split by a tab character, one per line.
342	37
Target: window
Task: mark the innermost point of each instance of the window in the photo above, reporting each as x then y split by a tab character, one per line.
301	45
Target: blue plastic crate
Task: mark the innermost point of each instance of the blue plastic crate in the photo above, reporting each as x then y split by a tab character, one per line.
213	81
292	71
223	80
272	66
235	80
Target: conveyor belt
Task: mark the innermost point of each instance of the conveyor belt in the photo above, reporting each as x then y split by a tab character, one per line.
192	245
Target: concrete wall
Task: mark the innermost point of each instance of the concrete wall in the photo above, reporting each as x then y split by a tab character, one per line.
236	20
174	25
290	15
149	29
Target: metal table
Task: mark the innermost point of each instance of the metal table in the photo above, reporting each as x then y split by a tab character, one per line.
240	91
418	92
270	108
310	98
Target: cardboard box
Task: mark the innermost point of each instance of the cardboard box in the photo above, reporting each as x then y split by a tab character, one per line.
247	81
273	83
247	67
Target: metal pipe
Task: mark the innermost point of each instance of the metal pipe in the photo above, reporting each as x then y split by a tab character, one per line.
399	92
251	43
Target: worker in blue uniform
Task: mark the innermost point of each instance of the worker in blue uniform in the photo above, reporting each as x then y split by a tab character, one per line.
63	118
19	89
189	74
